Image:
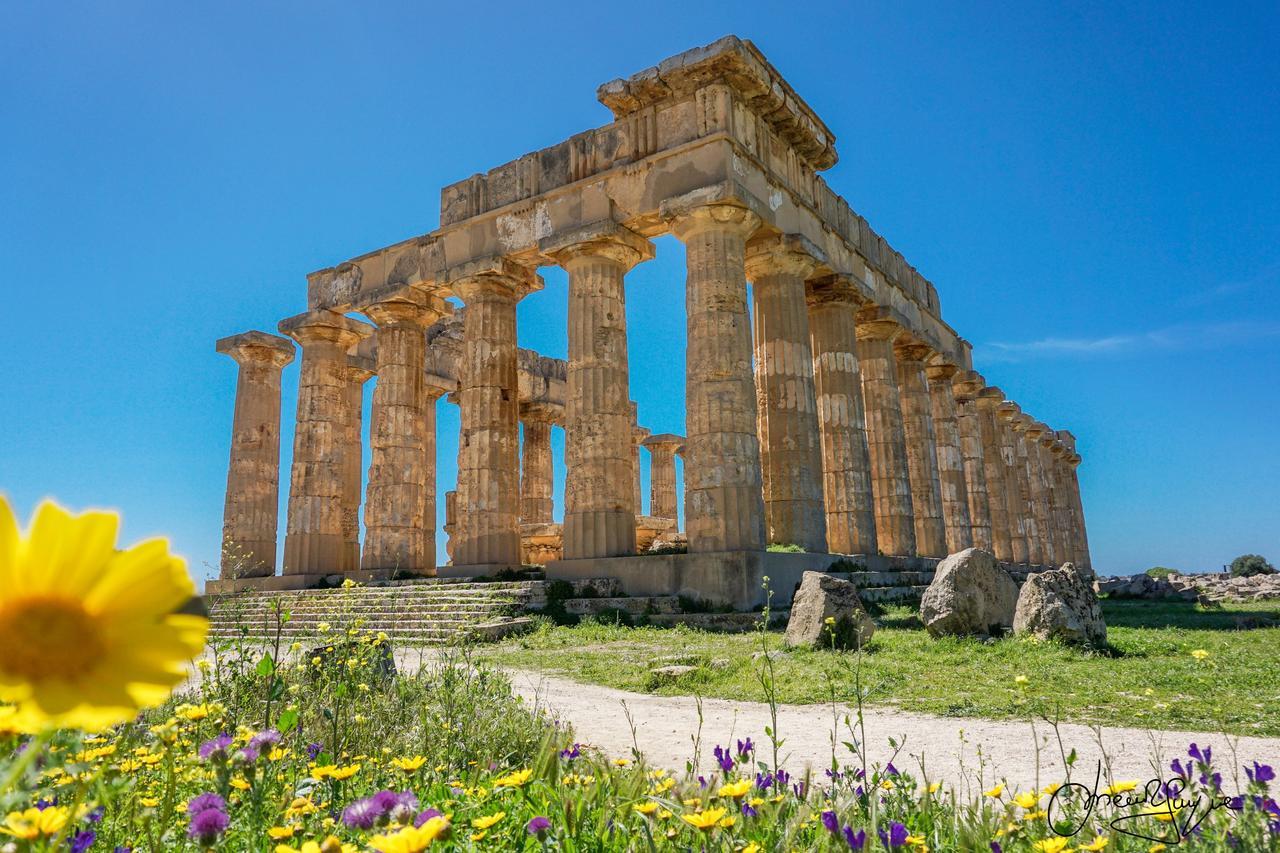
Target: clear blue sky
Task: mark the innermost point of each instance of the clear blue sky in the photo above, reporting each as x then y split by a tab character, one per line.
1094	191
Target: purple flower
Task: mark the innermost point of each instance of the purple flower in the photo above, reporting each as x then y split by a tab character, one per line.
833	775
399	807
1205	757
855	840
207	825
895	837
764	781
1261	773
830	821
798	789
248	755
1184	772
82	841
1211	781
267	737
204	802
42	803
702	781
859	792
890	770
426	816
745	748
95	816
215	749
996	848
748	811
723	758
571	753
1236	803
537	827
362	814
313	750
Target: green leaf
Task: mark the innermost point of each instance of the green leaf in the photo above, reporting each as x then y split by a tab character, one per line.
266	666
287	721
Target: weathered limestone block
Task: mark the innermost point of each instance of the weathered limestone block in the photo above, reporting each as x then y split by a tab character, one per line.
966	386
1040	506
886	441
662	474
1060	604
1062	511
488	519
988	400
253	475
970	594
314	540
536	473
922	458
1014	475
638	435
846	466
397	537
541	543
1025	472
600	514
951	473
822	597
790	443
724	505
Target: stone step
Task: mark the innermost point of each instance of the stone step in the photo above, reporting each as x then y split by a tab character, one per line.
888	594
636	606
721	623
883	579
383	607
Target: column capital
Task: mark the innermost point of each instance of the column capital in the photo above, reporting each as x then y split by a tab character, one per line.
691	221
1008	411
360	369
840	289
1033	428
909	349
323	325
968	384
491	277
404	306
989	398
1068	440
541	412
783	254
876	323
939	370
664	441
606	239
1073	459
639	434
1047	436
435	388
256	347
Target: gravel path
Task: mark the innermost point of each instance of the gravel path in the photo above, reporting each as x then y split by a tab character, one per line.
971	754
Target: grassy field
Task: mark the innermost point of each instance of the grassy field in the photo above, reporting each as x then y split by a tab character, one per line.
1148	677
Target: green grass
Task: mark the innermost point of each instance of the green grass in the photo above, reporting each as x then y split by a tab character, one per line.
1147	678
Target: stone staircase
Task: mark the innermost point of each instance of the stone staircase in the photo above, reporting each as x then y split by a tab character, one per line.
418	612
897	587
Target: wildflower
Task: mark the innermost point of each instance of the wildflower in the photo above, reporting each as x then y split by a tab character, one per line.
570	753
830	821
513	780
1019	679
88	634
281	833
895	837
1050	845
704	820
35	823
240	784
409	765
1199	654
412	839
332	771
723	758
264	738
1120	788
737	790
362	814
994	793
855	840
537	827
207	825
933	787
748	810
83	840
727	822
621	762
205	801
1261	773
745	748
646	808
488	820
1027	800
215	749
323	627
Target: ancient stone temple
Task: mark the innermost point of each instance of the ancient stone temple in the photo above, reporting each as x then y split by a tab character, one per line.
828	404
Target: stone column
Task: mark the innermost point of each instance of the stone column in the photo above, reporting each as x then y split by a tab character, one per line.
359	371
723	492
450	522
1061	506
395	528
1040	507
951	469
790	442
536	474
1014	471
988	400
430	510
599	514
922	457
662	474
846	467
1078	530
253	476
314	541
968	421
638	435
1023	471
886	441
488	518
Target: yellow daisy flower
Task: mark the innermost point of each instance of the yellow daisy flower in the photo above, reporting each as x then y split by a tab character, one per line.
704	820
513	780
35	823
1027	800
488	820
409	765
88	634
735	789
411	839
994	792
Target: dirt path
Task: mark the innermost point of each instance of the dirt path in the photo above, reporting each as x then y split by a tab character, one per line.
953	749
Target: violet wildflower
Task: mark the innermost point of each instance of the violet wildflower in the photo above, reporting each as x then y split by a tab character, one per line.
204	802
570	753
723	758
745	748
996	848
1261	773
96	815
782	777
246	756
42	803
799	790
830	821
855	840
537	827
764	781
267	737
1205	757
895	837
426	816
748	811
362	814
207	825
82	841
314	750
890	770
1184	772
215	749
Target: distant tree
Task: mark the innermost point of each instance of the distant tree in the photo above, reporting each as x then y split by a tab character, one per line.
1247	565
1161	571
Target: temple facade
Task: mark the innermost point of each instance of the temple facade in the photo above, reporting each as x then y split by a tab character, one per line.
828	404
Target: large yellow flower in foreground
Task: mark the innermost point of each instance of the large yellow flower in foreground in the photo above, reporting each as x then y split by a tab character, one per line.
88	634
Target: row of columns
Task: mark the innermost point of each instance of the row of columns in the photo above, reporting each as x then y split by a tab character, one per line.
828	425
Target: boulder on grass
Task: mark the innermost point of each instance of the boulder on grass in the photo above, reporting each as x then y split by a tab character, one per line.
970	594
822	597
1060	604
